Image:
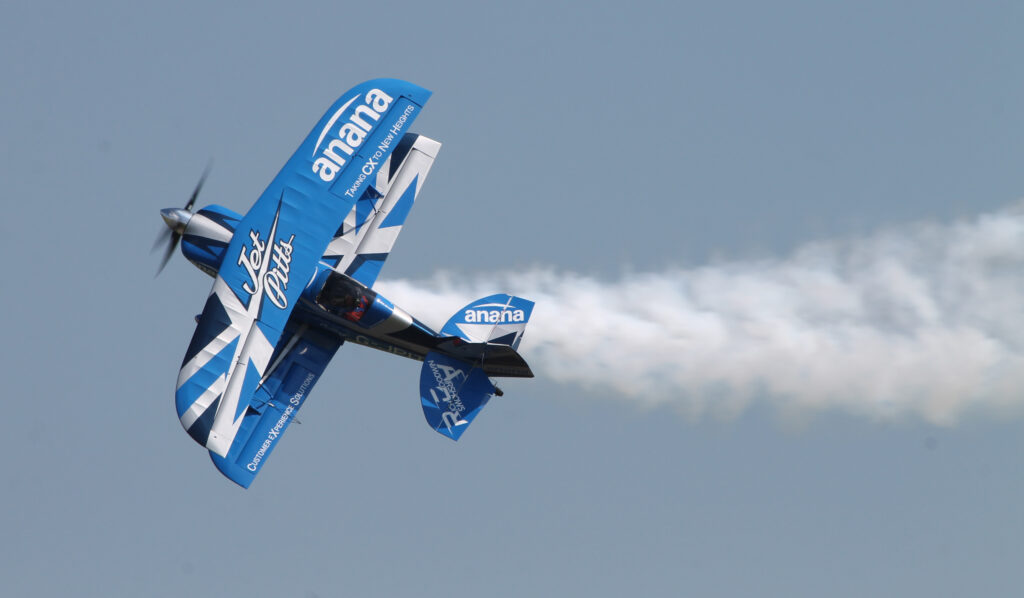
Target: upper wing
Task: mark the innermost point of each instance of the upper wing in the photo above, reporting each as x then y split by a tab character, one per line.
369	232
299	360
275	250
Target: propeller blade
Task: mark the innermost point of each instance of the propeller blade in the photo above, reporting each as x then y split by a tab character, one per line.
170	237
175	238
199	186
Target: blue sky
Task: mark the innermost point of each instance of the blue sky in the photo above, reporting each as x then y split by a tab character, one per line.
599	139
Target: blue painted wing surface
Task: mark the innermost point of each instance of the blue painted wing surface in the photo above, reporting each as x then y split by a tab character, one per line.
452	393
299	360
275	250
368	233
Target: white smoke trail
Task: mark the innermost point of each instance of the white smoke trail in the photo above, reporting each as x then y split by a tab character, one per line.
925	320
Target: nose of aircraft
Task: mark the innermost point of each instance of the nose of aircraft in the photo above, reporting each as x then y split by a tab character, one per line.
176	219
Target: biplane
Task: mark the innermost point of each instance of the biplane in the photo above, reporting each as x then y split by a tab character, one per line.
293	281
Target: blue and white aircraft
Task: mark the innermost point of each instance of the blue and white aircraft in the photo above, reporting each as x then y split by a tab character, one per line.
293	281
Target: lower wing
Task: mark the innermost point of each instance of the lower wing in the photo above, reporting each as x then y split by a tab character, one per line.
366	238
299	359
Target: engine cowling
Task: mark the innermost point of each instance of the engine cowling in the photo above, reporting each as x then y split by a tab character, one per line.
206	237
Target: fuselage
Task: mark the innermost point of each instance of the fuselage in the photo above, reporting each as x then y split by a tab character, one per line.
332	301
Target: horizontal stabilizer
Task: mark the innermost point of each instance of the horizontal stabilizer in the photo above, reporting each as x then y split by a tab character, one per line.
494	360
452	392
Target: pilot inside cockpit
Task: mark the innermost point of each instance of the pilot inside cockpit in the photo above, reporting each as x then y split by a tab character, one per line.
344	297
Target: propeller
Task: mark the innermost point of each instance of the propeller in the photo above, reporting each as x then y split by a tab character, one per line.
176	220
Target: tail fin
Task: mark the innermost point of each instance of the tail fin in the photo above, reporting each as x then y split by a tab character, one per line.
498	319
482	341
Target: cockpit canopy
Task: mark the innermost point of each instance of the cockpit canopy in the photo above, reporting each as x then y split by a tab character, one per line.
344	297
